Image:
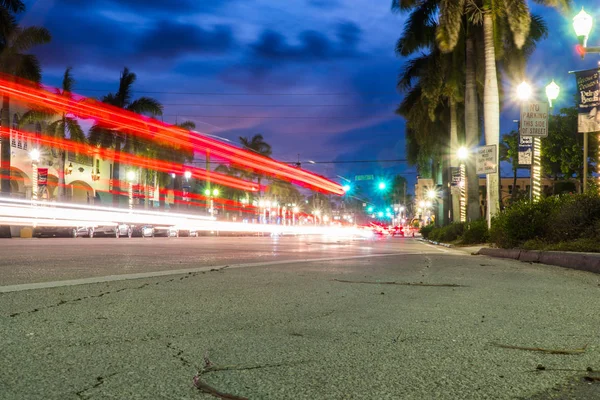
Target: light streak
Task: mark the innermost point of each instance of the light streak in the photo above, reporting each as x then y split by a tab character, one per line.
36	213
116	118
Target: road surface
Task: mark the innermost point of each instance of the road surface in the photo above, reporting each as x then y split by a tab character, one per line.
289	318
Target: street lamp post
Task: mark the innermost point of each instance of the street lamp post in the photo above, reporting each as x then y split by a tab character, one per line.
582	24
186	190
130	179
462	154
523	94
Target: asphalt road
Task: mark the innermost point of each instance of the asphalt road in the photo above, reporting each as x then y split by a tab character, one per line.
289	318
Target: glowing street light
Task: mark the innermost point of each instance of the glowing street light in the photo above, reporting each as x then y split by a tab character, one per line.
462	153
431	194
524	91
215	192
35	155
187	174
552	92
582	23
346	188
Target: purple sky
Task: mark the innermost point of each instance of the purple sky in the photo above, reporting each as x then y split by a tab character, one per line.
329	62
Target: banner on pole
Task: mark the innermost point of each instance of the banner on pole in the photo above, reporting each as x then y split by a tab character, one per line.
525	150
42	178
588	89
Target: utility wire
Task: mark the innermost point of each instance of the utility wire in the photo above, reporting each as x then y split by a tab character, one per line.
242	94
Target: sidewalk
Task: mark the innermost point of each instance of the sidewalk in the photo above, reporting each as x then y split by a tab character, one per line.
580	261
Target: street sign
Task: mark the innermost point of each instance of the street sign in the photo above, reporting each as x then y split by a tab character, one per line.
534	119
455	176
525	150
486	159
364	177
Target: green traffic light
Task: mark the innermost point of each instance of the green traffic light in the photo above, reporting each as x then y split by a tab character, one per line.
370	209
381	186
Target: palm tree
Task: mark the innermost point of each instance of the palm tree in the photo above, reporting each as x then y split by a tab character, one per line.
490	14
15	43
65	127
110	138
257	144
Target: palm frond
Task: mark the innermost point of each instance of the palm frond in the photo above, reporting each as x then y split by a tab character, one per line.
518	17
189	125
126	81
68	82
14	6
76	134
564	6
419	29
25	39
28	67
146	105
404	5
449	27
35	115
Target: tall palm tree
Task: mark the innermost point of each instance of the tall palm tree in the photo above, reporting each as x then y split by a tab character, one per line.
15	43
258	145
490	14
110	138
64	127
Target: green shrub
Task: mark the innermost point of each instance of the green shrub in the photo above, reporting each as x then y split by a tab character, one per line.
426	230
475	232
448	233
524	221
586	245
577	217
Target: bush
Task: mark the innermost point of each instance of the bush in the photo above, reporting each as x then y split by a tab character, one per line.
448	233
475	232
586	245
426	230
524	221
577	217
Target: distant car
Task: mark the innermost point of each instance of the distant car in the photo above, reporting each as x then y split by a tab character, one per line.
142	231
397	231
166	231
55	231
116	231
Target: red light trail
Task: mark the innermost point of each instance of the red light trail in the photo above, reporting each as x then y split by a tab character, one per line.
131	123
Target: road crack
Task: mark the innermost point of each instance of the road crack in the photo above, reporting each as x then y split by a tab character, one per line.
99	295
99	382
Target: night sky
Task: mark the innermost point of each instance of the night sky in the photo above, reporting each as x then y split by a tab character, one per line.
315	77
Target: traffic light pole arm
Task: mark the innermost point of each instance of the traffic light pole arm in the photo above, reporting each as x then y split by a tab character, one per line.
595	49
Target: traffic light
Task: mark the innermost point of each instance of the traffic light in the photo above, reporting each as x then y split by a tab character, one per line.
346	188
370	209
380	214
381	185
580	50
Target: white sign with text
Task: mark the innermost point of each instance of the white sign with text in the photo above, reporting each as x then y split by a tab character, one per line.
487	159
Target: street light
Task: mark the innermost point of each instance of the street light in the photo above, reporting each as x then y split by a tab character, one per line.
187	174
552	92
524	91
431	194
582	23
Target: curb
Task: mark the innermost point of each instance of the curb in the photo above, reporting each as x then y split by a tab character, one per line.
437	243
589	262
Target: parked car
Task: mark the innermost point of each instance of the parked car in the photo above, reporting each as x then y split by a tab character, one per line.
166	231
142	231
107	231
55	231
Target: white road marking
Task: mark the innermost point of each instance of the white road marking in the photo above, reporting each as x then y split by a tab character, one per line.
114	278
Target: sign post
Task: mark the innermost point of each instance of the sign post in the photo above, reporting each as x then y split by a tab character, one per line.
534	124
486	159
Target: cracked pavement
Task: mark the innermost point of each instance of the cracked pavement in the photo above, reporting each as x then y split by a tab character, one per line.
287	329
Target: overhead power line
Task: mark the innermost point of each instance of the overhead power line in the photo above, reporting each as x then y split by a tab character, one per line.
243	94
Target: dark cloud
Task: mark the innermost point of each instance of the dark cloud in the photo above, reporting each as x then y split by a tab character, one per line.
313	45
169	39
173	7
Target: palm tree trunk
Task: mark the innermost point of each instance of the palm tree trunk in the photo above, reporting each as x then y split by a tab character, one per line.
491	115
5	151
62	156
452	162
61	165
5	158
471	131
